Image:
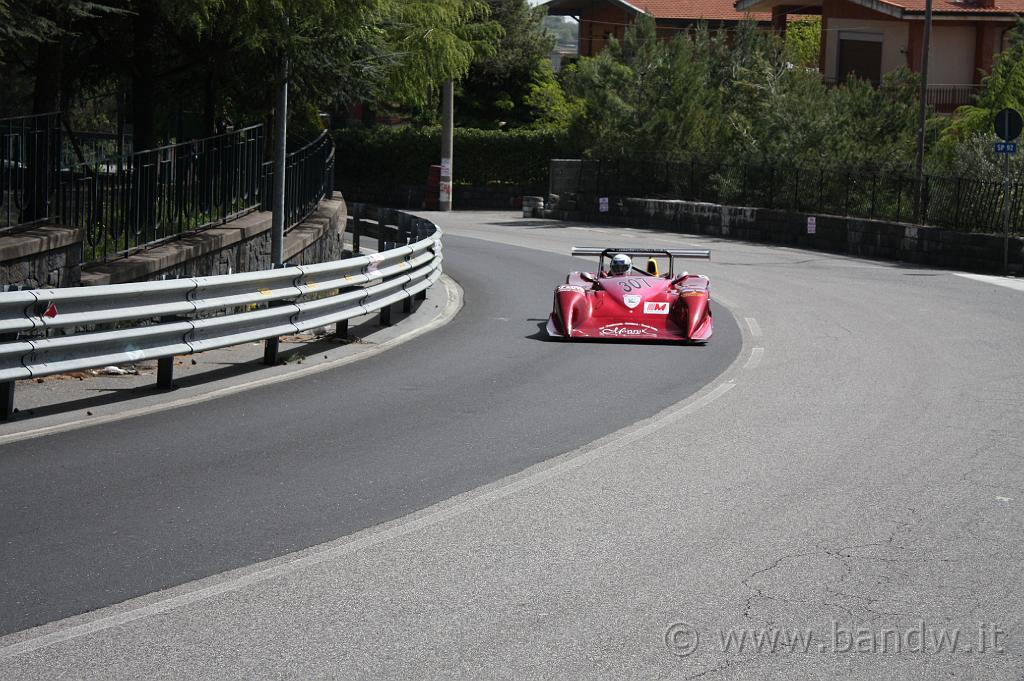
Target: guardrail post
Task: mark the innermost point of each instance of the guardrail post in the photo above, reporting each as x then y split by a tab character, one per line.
357	226
165	365
341	330
7	387
382	225
385	215
272	346
165	373
6	400
271	350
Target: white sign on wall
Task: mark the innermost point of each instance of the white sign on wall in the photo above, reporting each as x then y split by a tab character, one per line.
602	204
812	224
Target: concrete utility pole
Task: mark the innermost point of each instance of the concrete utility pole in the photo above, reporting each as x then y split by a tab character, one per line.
272	345
447	126
280	153
922	112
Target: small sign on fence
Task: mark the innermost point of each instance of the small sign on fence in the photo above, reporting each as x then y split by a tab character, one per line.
602	204
1006	147
812	224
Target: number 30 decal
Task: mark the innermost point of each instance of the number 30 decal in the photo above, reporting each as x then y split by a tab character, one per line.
631	284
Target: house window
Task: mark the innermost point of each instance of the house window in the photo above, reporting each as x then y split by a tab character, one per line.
860	54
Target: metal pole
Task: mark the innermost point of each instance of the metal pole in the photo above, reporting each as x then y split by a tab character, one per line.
272	346
922	105
1006	214
447	125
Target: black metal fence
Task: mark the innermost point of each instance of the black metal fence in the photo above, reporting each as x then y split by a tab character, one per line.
92	147
30	154
140	199
309	177
957	203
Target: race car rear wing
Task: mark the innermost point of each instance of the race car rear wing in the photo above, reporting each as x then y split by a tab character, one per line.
670	253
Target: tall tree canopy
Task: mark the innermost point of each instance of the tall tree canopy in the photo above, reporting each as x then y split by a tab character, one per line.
511	85
180	65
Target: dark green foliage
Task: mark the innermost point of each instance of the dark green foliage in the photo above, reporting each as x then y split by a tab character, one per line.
403	155
965	144
501	87
709	95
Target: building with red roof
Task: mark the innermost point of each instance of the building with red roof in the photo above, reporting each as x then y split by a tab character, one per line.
869	38
601	20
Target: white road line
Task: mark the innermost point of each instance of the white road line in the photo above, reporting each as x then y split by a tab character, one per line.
453	304
755	358
755	328
1017	284
25	642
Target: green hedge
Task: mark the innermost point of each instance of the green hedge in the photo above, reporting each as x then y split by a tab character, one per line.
403	155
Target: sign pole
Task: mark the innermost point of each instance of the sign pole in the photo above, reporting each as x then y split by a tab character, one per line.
1008	124
1006	214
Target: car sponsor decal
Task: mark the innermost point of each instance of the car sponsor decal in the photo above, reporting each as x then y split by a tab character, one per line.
567	288
631	301
656	308
628	329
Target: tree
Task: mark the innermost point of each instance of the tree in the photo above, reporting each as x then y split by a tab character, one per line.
645	96
434	41
803	42
735	96
964	146
512	84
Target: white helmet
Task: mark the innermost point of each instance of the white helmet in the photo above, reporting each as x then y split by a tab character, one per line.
621	264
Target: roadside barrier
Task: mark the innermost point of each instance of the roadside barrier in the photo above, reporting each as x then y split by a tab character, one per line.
52	331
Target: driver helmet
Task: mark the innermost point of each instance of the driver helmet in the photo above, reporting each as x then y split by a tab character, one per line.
621	264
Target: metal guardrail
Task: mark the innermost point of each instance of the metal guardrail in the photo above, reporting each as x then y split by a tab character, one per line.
52	331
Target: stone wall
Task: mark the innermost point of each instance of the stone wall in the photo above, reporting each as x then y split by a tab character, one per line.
242	245
51	255
43	257
930	246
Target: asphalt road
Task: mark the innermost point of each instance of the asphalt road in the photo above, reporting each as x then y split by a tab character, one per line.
96	516
855	478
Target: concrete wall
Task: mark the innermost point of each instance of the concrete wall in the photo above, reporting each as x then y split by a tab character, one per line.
928	246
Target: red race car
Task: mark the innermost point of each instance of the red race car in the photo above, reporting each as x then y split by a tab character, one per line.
626	302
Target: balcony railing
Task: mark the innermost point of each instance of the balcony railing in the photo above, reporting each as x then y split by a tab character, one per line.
944	98
947	98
